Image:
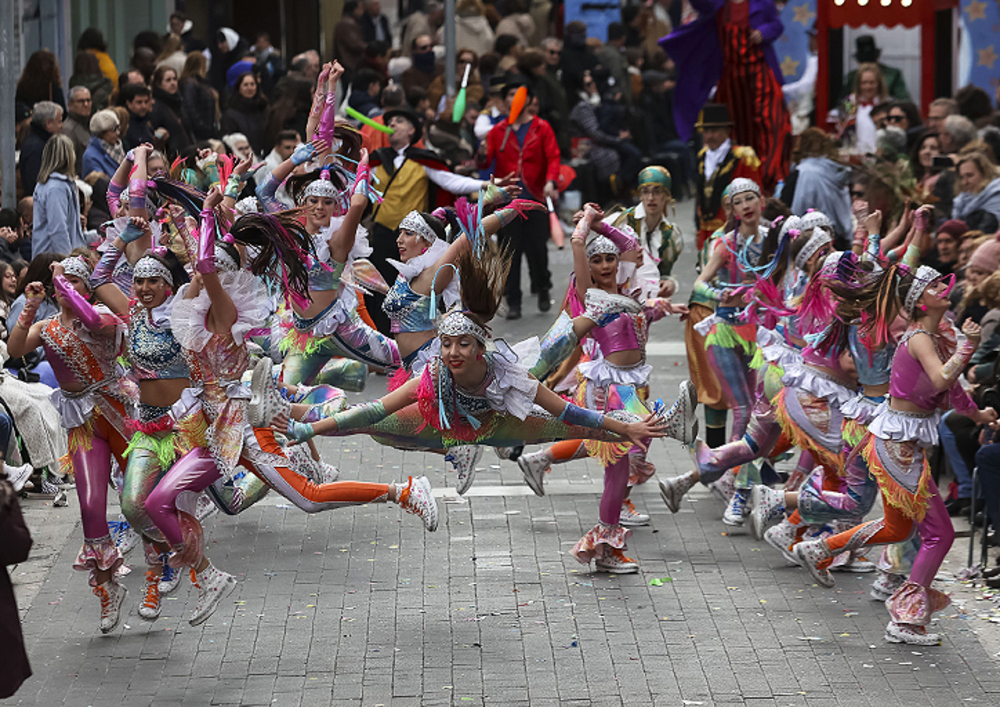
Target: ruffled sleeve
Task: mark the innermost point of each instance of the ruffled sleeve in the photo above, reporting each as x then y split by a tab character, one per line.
189	316
512	389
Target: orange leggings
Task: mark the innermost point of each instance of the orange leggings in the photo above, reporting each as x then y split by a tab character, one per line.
895	527
567	450
303	493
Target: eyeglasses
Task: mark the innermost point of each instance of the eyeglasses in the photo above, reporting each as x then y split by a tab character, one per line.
553	52
81	100
896	118
857	194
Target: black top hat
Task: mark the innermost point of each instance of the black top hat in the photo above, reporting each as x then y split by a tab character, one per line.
865	49
410	116
714	115
497	83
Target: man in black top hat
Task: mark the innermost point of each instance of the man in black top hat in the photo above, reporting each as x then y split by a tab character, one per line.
719	163
866	52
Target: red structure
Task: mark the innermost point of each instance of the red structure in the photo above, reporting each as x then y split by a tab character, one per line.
836	14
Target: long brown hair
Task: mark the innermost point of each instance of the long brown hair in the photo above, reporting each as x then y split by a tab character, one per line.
481	281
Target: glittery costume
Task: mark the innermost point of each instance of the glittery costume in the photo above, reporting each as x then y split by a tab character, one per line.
94	417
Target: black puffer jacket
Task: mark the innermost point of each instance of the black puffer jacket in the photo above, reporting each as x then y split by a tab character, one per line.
198	106
166	113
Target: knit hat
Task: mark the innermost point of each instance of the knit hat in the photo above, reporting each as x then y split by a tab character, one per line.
954	228
987	256
102	121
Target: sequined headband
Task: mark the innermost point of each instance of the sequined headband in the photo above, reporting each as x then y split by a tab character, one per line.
819	238
925	276
601	244
148	266
224	261
248	205
792	222
742	184
415	223
76	267
323	188
814	219
456	323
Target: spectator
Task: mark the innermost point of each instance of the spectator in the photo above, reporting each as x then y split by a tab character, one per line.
76	126
57	227
393	96
529	152
270	67
46	121
438	95
376	57
906	116
246	64
305	66
427	21
509	48
365	91
9	223
472	29
130	76
15	548
944	256
978	204
136	98
348	44
291	110
866	52
657	107
855	123
603	153
147	39
939	109
495	109
577	57
925	149
819	181
424	69
284	145
26	215
199	101
247	112
517	22
168	107
956	132
184	28
39	270
87	73
230	47
239	146
40	80
375	25
172	54
612	57
974	103
92	41
144	61
8	286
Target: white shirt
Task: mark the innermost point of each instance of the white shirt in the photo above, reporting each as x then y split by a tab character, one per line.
485	123
449	181
713	158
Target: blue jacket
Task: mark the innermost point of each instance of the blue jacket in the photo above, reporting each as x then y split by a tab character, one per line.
57	227
96	159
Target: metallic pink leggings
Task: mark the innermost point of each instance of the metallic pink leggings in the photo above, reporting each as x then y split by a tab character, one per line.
92	472
615	490
195	471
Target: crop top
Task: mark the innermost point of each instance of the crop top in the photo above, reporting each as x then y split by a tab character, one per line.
909	381
873	368
153	351
408	311
324	272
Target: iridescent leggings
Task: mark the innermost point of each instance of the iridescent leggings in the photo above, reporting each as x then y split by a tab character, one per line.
353	339
738	382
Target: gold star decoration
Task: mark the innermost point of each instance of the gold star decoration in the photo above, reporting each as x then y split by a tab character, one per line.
789	66
804	15
987	57
976	11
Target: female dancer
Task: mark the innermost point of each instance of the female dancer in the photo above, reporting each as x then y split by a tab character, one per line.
617	372
82	343
925	371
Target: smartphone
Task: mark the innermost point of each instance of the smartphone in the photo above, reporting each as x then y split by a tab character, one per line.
941	163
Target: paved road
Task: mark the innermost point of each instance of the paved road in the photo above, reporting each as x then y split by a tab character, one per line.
361	607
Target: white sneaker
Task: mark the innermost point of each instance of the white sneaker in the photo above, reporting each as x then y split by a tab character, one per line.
534	466
18	475
125	538
464	458
682	422
781	537
673	490
767	507
205	508
885	585
213	586
328	473
149	607
416	497
737	510
265	400
913	635
112	596
630	517
614	560
170	577
809	554
725	487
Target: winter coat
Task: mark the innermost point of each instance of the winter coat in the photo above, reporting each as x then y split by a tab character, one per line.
30	160
166	113
247	116
56	218
13	550
198	105
97	159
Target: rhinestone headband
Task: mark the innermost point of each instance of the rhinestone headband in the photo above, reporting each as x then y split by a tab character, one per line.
415	223
148	266
742	184
456	323
76	267
814	219
601	244
224	261
924	277
248	205
790	223
819	238
323	188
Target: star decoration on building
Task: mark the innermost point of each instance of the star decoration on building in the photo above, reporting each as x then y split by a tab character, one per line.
804	15
987	57
976	11
789	66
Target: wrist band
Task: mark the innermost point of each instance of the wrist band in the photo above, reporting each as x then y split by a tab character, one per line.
581	417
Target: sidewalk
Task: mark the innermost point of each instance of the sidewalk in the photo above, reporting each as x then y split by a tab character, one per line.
361	607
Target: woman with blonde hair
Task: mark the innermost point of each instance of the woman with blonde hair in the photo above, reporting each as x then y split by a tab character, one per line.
854	115
56	218
978	200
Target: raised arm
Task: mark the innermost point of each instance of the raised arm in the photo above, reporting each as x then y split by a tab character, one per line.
100	280
235	182
319	100
342	241
578	241
119	181
27	334
222	313
328	119
303	153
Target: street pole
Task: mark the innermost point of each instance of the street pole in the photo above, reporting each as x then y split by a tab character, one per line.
449	46
8	79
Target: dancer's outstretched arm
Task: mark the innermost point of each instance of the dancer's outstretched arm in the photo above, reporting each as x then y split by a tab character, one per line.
222	313
342	241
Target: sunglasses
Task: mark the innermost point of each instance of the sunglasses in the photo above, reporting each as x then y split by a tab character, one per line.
896	118
857	194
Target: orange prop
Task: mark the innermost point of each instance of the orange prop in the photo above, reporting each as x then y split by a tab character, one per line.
558	235
517	105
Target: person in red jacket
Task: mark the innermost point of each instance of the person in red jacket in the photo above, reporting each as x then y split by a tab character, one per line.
527	151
